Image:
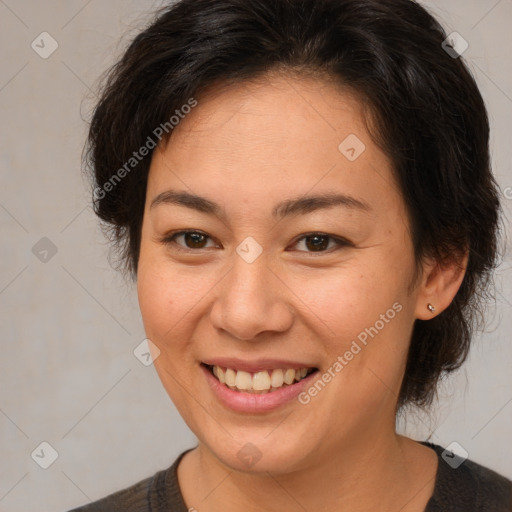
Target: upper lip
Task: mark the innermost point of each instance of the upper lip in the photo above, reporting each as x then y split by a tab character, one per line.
257	365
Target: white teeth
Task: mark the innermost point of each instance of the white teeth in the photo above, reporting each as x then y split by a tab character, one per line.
230	377
277	379
243	380
289	376
259	382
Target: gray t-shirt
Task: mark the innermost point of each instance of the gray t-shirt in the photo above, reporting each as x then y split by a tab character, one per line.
468	488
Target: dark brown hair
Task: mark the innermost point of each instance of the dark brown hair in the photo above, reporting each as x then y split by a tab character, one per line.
428	116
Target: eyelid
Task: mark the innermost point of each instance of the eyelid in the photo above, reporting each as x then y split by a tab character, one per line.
169	238
339	241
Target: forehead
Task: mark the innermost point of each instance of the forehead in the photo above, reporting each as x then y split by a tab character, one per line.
274	134
262	106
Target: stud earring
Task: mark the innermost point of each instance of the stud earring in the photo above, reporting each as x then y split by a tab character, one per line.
431	308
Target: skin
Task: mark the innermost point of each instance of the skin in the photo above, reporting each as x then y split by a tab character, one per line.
247	147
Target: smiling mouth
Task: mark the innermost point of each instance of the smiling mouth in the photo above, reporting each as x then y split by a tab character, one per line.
261	382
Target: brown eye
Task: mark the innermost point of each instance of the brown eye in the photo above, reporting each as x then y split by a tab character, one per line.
194	240
321	242
187	240
317	242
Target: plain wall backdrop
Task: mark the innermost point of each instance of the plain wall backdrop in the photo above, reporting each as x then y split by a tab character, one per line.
70	323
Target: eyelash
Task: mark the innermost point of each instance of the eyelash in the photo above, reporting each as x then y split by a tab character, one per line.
171	237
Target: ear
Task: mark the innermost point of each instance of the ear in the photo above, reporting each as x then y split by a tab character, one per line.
439	284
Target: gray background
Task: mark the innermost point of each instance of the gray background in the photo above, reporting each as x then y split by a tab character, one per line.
68	375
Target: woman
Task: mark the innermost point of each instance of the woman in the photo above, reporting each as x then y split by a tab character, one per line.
302	191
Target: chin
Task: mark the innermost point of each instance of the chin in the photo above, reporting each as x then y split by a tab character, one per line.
255	454
251	460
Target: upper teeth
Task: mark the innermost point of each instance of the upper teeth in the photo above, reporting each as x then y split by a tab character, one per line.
259	382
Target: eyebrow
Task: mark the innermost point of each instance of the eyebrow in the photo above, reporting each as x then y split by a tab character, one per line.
296	206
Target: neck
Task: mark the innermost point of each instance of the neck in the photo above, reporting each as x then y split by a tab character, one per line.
384	472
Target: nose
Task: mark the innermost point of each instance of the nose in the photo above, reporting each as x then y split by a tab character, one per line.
252	300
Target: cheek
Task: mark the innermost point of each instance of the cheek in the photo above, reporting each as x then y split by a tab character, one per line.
157	288
170	299
361	315
155	301
344	300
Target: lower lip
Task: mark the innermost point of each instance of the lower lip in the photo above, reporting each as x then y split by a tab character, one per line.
255	402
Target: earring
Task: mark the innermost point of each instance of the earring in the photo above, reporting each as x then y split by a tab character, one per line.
431	308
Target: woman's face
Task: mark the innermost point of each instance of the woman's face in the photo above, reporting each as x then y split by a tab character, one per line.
299	256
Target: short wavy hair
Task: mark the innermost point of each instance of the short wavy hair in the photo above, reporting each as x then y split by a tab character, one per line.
427	115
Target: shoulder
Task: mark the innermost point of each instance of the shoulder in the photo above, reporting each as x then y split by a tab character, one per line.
157	493
132	499
466	486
